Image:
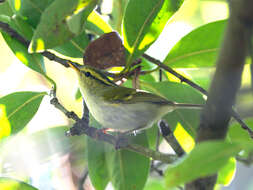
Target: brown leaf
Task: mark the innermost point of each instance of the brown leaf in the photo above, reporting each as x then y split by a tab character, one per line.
105	52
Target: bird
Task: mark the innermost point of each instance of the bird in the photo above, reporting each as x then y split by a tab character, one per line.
119	108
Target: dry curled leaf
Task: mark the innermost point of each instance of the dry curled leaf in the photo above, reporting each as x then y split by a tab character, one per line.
105	52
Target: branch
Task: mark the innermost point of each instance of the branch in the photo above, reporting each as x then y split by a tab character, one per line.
226	82
170	138
14	34
81	127
197	87
176	74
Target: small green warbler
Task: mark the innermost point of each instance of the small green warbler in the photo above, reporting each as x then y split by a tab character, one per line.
119	108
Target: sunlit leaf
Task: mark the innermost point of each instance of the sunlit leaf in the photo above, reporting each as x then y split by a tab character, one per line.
226	174
199	48
54	27
76	21
33	61
143	24
13	184
17	109
29	10
184	138
96	24
205	159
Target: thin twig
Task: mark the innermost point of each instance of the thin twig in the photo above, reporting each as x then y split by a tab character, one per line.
170	138
81	127
215	116
14	34
197	87
176	74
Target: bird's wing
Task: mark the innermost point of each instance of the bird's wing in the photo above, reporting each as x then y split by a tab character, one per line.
129	95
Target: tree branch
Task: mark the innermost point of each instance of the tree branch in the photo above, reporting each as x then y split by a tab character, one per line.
226	82
14	34
81	127
197	87
170	138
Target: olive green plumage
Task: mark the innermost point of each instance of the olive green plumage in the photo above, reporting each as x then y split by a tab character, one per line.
120	108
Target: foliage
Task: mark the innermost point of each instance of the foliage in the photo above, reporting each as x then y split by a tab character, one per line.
67	27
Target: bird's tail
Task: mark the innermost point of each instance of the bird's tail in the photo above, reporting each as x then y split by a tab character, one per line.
188	106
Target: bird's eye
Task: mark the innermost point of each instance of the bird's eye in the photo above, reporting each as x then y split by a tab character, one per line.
87	74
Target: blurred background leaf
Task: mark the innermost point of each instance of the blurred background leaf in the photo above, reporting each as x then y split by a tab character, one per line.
17	109
142	29
197	49
12	184
53	29
206	159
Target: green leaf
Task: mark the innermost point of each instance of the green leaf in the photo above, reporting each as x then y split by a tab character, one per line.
201	76
96	24
51	137
125	169
205	159
226	174
180	93
23	27
118	10
237	133
29	10
143	22
153	184
128	170
199	48
17	109
97	165
98	172
54	27
33	61
13	184
76	21
78	94
75	47
5	9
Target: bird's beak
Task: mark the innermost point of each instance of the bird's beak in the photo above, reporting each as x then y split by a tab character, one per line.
74	66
